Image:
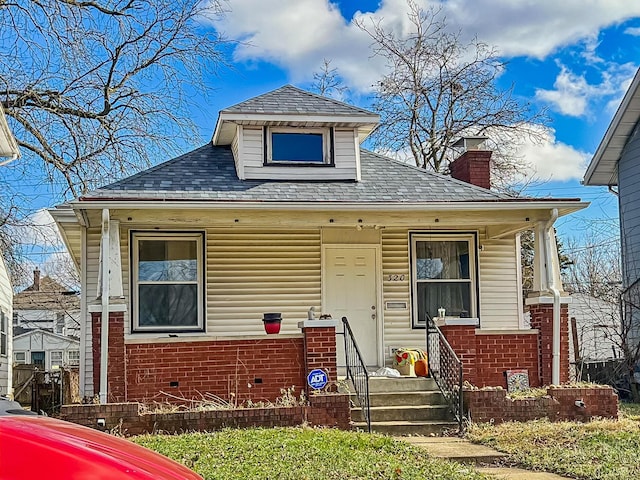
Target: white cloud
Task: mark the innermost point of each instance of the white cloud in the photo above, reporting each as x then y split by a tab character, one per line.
39	229
635	31
551	159
572	93
298	34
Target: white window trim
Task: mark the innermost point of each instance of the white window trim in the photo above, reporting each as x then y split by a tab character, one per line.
69	362
326	145
473	266
136	236
61	363
20	362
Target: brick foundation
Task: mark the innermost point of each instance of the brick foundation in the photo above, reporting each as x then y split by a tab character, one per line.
235	370
331	410
492	405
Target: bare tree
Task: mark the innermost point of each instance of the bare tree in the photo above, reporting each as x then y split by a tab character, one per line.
439	88
96	89
327	81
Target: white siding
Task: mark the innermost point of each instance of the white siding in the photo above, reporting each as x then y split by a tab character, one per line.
499	306
253	272
252	158
90	290
498	285
6	302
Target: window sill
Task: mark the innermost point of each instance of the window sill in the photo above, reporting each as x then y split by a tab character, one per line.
446	321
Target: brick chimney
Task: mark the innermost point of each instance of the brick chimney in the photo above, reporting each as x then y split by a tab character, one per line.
36	279
474	165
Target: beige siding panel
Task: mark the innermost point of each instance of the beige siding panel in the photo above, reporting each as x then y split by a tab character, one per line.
90	290
344	149
252	146
252	272
235	151
499	308
397	288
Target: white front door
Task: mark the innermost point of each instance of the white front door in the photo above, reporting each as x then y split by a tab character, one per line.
350	290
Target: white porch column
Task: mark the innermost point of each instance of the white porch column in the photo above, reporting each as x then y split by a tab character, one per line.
103	293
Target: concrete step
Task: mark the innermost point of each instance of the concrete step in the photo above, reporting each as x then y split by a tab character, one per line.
402	384
404	413
415	427
391	384
388	399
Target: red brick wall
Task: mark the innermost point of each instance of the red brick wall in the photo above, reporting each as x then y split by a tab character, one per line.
231	369
542	319
485	358
474	167
462	339
323	410
494	406
116	370
235	370
498	353
320	351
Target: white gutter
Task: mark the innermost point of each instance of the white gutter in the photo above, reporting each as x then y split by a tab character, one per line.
550	251
91	204
104	329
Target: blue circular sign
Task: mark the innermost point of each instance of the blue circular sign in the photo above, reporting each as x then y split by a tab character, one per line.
317	379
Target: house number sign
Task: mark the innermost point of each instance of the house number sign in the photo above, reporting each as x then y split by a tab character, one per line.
396	278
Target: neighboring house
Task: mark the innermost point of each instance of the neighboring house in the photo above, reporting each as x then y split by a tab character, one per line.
46	324
597	329
617	163
8	152
283	211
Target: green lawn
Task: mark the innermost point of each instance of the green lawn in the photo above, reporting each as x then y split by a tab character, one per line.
602	449
302	453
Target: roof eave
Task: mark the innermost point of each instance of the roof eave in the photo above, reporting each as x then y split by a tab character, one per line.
594	174
564	206
365	123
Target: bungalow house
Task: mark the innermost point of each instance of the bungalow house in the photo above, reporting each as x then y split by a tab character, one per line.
46	324
283	211
8	152
616	163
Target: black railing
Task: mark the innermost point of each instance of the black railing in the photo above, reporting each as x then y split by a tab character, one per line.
445	368
357	371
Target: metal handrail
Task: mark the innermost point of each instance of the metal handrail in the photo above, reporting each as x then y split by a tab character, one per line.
446	368
357	371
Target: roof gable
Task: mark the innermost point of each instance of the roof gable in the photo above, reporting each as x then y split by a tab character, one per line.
292	100
290	106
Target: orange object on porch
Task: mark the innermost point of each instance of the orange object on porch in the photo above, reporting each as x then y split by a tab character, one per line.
422	368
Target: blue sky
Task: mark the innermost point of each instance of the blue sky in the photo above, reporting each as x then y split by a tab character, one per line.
573	57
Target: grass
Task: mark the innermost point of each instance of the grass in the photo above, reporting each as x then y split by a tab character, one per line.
601	449
302	453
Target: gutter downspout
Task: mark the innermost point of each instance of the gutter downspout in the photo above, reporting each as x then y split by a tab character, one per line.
553	288
104	294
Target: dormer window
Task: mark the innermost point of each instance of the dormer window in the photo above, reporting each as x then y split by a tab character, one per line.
298	146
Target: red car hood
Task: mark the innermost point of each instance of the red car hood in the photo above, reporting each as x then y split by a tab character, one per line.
42	447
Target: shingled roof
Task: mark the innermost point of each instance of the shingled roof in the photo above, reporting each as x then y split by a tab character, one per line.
291	100
208	173
47	295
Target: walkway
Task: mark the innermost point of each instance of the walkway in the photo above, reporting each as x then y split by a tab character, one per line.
460	450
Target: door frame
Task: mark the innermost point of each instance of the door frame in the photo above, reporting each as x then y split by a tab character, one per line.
378	293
